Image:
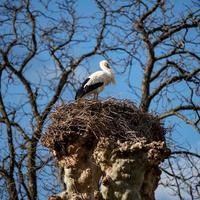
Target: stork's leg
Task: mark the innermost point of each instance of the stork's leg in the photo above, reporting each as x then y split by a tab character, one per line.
95	96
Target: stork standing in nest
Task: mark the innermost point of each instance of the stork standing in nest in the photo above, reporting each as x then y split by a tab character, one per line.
96	82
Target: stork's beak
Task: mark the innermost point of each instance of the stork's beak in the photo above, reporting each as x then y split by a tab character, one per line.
107	65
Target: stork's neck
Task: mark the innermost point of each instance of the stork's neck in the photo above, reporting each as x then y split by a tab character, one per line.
109	73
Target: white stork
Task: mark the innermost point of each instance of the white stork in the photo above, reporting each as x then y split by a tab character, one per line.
96	82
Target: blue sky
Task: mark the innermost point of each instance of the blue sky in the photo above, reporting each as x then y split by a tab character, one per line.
183	134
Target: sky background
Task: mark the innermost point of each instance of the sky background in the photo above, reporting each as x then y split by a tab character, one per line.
184	135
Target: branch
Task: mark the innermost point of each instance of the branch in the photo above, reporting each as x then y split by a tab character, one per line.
26	84
33	38
186	120
176	181
10	178
170	174
175	29
9	131
172	80
176	52
179	108
151	57
61	84
159	72
21	176
150	11
185	153
18	127
71	33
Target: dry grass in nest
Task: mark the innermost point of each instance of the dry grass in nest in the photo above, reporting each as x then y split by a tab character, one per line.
88	120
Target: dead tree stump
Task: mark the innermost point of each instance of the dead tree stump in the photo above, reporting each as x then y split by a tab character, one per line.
107	150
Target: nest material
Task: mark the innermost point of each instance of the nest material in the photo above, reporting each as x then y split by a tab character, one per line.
89	120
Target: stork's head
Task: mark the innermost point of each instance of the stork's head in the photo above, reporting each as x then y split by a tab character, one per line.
104	65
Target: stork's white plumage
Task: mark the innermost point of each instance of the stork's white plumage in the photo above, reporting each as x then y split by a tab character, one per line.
96	82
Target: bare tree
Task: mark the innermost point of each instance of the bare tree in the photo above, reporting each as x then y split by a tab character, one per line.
32	33
167	34
45	44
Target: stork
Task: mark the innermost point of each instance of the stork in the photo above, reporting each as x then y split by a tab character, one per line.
96	82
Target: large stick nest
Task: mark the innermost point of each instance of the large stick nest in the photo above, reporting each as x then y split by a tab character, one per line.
89	120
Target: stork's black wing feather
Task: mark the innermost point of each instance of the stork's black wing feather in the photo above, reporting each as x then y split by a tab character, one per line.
85	90
90	88
80	90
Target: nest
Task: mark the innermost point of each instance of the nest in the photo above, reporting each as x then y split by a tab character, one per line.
89	120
